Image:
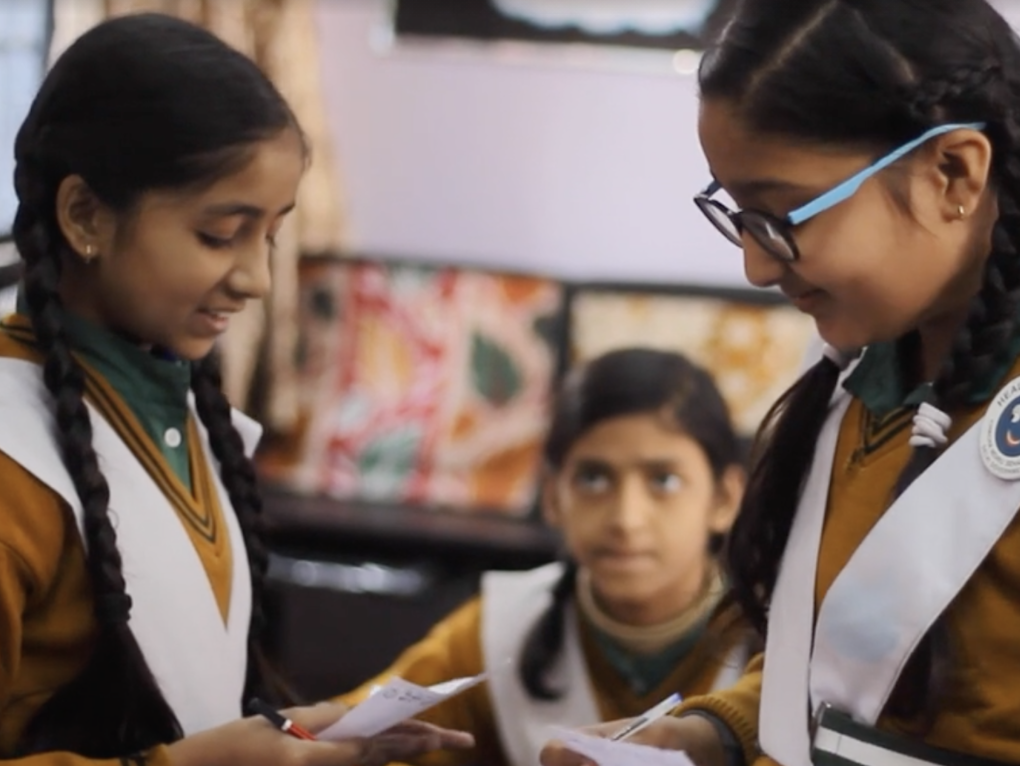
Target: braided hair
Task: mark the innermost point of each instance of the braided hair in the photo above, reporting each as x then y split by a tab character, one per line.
873	73
625	382
139	103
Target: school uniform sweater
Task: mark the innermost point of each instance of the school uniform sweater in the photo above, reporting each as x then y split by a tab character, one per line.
47	626
453	649
981	709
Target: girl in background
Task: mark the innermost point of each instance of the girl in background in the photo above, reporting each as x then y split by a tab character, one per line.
643	476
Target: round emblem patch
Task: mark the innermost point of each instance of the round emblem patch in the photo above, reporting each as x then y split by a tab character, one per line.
1000	440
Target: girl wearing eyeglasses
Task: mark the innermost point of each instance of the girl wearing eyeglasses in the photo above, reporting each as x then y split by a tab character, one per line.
871	151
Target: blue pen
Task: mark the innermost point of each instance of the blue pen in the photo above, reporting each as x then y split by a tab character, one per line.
647	717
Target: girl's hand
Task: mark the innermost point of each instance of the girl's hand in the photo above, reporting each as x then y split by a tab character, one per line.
692	734
256	742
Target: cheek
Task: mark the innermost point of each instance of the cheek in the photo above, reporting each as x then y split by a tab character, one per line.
168	274
879	278
682	527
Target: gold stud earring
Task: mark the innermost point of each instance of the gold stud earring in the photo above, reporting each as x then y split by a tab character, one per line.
961	211
90	253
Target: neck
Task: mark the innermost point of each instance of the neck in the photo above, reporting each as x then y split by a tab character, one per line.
937	337
642	636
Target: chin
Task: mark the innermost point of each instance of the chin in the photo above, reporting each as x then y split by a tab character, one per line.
843	335
192	349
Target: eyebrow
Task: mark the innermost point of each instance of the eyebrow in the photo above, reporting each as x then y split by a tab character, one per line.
669	464
230	209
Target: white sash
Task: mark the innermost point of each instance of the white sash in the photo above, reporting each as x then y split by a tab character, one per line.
905	573
198	662
512	602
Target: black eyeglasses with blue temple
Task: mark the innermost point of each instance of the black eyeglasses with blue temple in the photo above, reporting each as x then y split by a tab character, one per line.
775	234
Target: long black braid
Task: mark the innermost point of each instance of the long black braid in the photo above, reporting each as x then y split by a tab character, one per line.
237	473
981	347
70	720
138	104
545	641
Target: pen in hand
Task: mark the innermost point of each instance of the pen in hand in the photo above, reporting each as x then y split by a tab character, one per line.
646	718
278	720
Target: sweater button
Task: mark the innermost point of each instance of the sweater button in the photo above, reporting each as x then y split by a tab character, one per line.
172	438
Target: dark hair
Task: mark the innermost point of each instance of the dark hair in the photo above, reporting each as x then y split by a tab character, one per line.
625	382
876	74
138	103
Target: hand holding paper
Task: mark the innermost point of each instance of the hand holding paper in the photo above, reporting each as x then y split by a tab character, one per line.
607	752
392	704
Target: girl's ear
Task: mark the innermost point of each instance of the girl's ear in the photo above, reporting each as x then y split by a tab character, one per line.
83	219
729	493
551	510
963	167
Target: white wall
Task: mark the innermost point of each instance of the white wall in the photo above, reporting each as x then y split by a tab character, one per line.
471	155
580	171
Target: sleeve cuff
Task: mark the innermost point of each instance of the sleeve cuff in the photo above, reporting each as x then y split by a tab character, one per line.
732	722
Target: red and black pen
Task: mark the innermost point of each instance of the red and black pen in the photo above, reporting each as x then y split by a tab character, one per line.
279	720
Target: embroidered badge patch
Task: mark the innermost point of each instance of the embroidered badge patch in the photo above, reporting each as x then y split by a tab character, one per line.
1000	439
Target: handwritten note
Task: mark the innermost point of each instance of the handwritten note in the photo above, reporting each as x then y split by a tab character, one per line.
605	752
393	703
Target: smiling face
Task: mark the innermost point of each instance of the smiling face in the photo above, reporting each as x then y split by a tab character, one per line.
638	504
172	270
894	256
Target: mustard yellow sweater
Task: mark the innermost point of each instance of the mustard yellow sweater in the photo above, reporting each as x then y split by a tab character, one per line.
47	628
453	649
982	709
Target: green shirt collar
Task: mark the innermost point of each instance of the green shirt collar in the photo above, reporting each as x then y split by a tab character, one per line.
141	377
878	379
145	380
644	673
154	386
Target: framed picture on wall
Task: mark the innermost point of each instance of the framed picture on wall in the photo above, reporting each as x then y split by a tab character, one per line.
663	24
423	385
754	343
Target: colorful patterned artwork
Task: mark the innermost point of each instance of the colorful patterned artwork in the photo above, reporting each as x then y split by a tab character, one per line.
423	385
754	351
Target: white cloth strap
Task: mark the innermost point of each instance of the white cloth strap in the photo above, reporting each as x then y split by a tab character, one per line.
512	602
874	614
199	662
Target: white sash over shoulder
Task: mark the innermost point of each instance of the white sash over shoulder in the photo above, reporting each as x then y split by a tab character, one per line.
512	602
905	573
198	661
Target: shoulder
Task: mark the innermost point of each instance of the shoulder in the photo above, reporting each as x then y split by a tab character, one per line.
728	628
36	526
506	582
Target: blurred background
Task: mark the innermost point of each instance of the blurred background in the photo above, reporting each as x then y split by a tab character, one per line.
500	190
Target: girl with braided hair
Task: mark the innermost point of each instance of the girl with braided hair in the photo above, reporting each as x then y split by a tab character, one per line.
153	171
643	475
870	150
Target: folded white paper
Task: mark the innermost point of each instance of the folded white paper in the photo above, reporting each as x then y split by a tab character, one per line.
391	704
606	752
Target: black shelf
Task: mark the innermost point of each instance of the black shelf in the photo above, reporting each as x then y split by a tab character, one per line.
318	525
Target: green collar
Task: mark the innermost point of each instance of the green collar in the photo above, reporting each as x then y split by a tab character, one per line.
145	380
644	673
154	386
878	379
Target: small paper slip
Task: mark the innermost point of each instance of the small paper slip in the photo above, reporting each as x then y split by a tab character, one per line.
395	702
605	752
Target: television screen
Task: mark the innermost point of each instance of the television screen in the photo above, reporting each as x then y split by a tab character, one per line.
422	385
